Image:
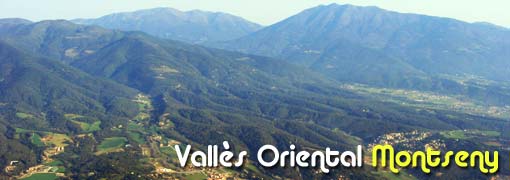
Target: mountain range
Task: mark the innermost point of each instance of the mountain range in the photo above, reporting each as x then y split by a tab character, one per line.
117	97
382	48
191	26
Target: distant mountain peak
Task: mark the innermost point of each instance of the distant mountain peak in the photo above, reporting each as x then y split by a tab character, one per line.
14	21
346	7
419	43
194	26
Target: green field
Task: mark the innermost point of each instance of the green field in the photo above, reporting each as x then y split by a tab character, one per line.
196	176
170	151
112	143
137	137
36	140
42	176
144	106
467	134
87	127
21	130
24	115
134	127
61	169
50	138
54	163
57	139
142	116
252	168
422	99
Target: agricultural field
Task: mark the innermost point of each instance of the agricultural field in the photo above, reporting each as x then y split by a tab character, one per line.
430	100
168	150
42	176
132	126
24	115
468	134
86	127
144	106
142	117
111	144
46	138
143	101
196	176
36	140
137	137
55	139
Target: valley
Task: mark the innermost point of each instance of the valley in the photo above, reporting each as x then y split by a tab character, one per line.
109	98
431	100
141	135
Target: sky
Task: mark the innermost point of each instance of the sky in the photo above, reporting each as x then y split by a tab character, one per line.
264	12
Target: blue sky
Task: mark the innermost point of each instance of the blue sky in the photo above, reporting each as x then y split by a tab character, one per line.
261	11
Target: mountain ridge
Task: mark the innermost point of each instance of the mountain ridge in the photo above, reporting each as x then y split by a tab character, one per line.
194	26
196	76
421	47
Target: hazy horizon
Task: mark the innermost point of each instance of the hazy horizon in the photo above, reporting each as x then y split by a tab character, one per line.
263	12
